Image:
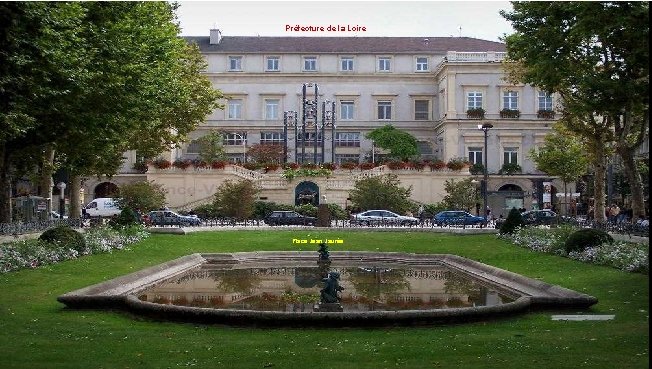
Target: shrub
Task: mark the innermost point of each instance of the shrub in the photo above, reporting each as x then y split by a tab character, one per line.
309	210
145	195
66	237
349	165
584	238
337	212
207	211
263	208
514	220
367	166
126	217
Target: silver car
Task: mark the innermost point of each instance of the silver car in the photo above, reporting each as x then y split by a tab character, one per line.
382	217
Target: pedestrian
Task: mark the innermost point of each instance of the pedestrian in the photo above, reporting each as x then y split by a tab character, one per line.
613	212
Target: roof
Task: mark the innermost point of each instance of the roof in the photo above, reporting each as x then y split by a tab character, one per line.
393	45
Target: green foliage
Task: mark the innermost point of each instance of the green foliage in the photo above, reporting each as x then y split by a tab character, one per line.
456	163
431	209
309	210
587	237
260	153
476	169
207	211
127	217
382	192
64	236
510	168
236	200
514	220
146	196
562	155
460	195
291	173
337	212
210	147
400	144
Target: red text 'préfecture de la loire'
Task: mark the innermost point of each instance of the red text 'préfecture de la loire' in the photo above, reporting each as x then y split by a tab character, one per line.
329	28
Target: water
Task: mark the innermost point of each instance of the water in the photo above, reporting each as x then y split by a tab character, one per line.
296	289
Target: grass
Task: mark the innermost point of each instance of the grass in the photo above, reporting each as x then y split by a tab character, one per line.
37	332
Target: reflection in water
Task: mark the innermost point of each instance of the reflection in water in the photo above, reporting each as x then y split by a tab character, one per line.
295	289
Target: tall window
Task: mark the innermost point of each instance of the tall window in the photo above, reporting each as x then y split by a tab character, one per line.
347	139
347	110
310	63
235	63
421	110
510	100
510	155
384	110
273	64
544	100
384	64
272	108
193	147
271	138
345	158
475	155
234	109
474	100
346	64
422	64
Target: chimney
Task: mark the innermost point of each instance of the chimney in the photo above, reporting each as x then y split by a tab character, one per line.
215	36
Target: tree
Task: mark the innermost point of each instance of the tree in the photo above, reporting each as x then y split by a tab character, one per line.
595	56
211	148
400	144
562	155
91	81
260	153
236	199
382	192
146	196
461	195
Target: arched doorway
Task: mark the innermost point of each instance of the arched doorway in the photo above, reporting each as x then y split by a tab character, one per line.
106	189
512	196
306	192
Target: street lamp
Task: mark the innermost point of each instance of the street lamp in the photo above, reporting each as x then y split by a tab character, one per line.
62	200
289	120
485	128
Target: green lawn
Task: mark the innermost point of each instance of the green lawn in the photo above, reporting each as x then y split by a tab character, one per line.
37	332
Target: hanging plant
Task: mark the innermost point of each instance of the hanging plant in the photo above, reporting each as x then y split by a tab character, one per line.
437	165
182	164
161	164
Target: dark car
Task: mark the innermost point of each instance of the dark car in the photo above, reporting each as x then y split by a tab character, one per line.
457	217
167	217
289	218
539	217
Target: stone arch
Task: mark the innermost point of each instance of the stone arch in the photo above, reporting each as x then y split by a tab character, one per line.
106	189
306	192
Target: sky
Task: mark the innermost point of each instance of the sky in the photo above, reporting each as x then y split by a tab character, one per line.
477	19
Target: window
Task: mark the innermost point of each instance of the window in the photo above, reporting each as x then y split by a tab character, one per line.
422	64
545	101
421	109
347	110
474	100
384	110
475	155
235	63
510	100
310	64
347	139
273	64
234	109
309	137
384	64
271	138
193	147
510	155
272	108
347	158
235	139
346	64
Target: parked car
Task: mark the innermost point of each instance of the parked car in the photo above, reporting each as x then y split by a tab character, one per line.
535	217
167	217
457	217
101	207
56	215
289	218
379	217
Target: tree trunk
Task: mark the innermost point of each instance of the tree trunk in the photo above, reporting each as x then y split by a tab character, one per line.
634	181
46	182
600	170
5	186
75	200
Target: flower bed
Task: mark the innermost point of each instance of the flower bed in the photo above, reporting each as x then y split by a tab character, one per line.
34	252
627	256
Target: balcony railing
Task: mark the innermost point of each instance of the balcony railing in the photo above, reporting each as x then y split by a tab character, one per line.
483	57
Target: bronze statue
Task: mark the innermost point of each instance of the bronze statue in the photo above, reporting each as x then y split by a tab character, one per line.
329	292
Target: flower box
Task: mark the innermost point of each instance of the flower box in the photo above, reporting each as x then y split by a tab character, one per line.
546	114
475	113
510	114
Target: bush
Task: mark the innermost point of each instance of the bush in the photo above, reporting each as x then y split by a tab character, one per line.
66	237
514	220
207	211
584	238
145	195
337	212
264	208
308	210
126	217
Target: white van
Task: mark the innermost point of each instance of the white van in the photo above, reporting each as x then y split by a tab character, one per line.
102	207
